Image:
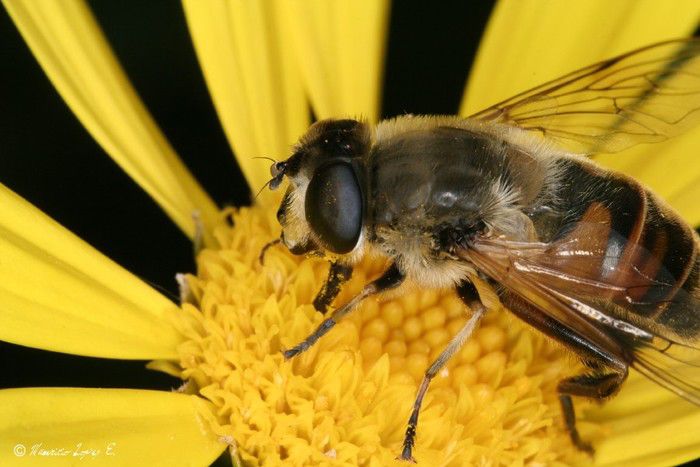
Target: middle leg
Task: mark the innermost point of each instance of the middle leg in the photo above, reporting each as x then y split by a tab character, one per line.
469	295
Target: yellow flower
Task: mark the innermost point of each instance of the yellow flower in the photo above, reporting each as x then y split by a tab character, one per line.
347	399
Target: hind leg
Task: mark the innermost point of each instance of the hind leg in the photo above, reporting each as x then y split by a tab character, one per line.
605	356
597	386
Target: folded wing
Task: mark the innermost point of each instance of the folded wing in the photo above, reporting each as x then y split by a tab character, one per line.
563	280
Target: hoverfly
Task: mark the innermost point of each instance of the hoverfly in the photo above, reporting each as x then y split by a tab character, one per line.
585	255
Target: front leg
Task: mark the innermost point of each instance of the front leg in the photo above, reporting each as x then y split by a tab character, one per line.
338	274
391	278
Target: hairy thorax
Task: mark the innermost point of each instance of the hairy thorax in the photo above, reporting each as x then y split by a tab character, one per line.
432	185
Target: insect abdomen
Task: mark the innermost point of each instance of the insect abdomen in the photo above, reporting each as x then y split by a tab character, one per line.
642	248
676	245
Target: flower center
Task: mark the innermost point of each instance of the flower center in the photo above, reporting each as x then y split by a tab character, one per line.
348	398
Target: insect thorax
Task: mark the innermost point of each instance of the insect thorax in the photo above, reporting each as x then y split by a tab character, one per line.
433	185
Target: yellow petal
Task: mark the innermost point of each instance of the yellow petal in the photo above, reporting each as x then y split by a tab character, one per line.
244	53
58	293
67	426
671	169
685	200
638	418
635	441
69	45
340	48
530	42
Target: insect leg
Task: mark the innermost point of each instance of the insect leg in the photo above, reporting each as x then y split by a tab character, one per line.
593	386
299	249
600	352
391	278
467	292
338	274
268	245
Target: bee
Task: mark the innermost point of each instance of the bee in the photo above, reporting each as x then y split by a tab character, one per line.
509	197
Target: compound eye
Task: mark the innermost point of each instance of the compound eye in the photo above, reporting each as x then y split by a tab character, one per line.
334	206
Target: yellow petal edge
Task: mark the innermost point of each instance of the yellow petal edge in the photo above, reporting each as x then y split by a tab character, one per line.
252	77
70	426
72	50
340	48
58	293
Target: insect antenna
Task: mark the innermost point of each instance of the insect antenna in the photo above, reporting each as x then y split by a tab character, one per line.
267	183
266	158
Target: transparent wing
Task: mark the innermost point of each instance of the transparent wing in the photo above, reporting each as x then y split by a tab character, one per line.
673	365
644	96
562	280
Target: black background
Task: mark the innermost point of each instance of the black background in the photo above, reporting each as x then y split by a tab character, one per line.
47	157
